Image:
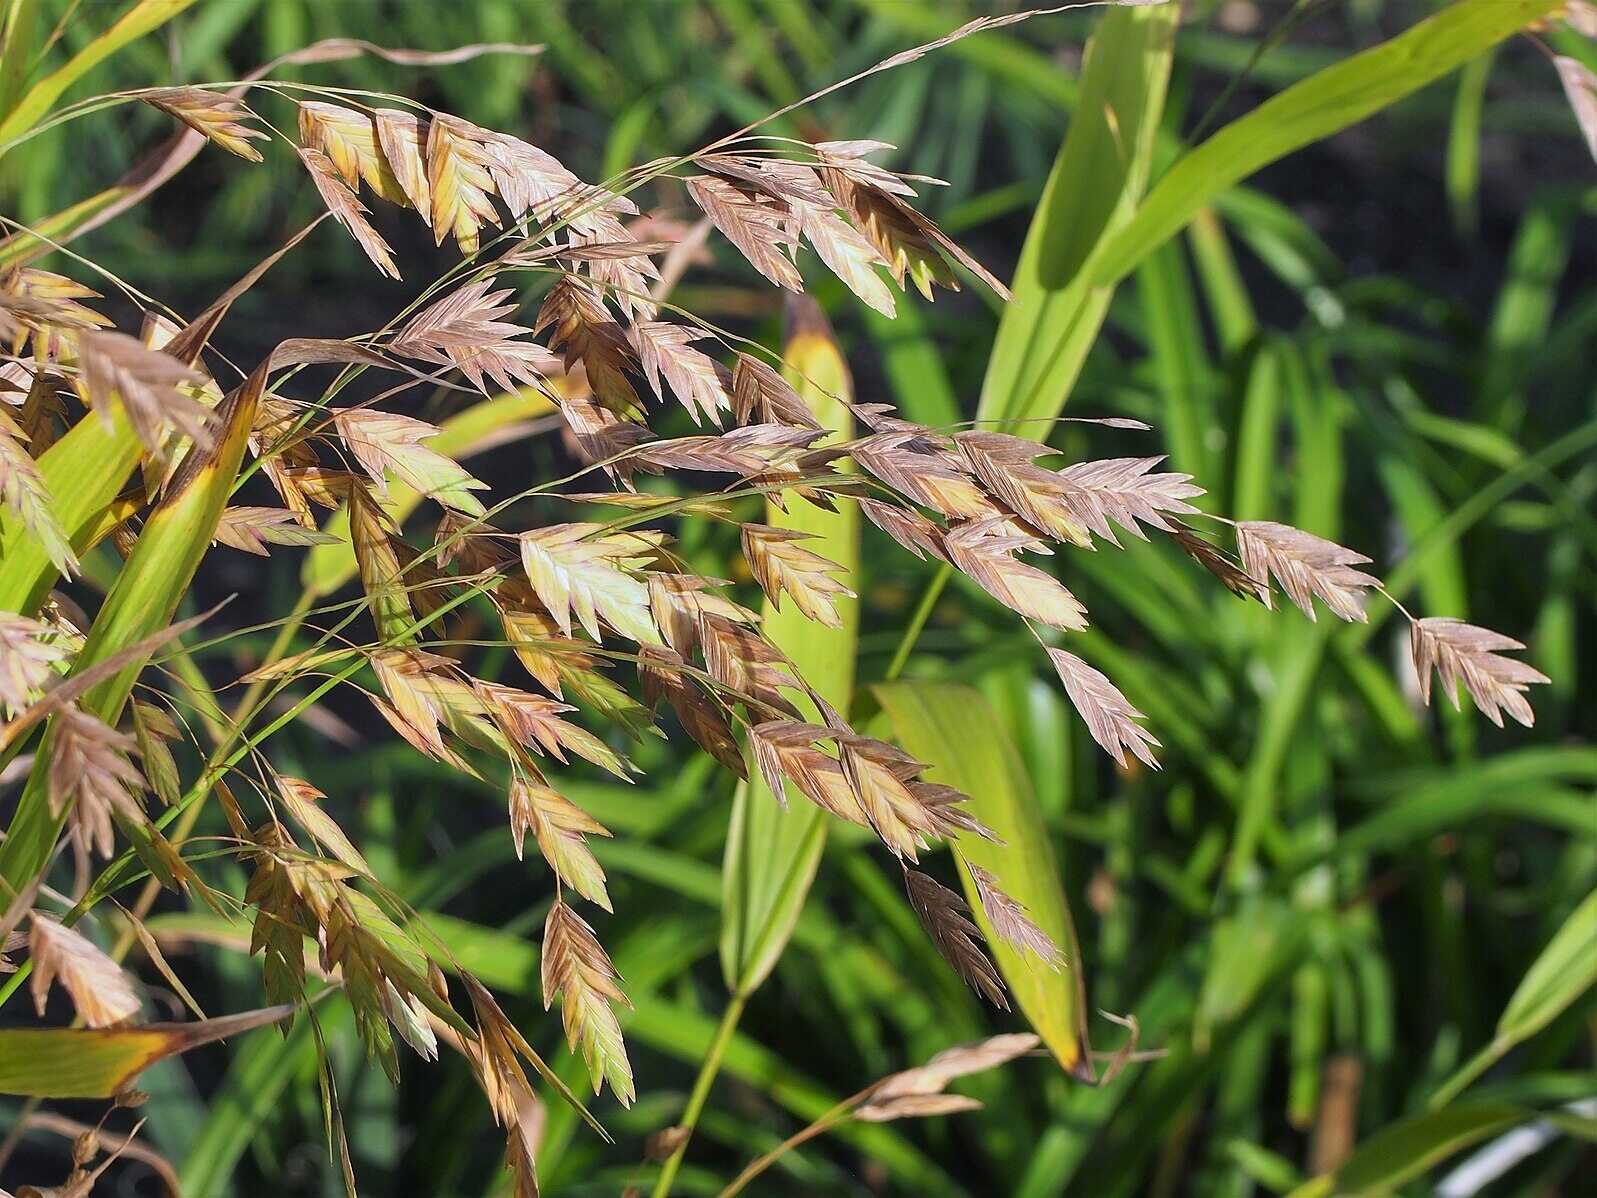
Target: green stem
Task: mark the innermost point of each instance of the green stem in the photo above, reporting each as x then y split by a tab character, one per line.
701	1091
917	624
1460	1081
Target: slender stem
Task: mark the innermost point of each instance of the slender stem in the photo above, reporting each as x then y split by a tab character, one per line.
917	624
1460	1081
824	1124
701	1090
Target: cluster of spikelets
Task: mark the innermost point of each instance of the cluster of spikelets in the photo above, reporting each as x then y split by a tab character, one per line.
578	598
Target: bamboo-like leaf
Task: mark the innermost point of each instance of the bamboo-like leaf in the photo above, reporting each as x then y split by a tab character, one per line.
1054	319
97	1063
772	853
958	735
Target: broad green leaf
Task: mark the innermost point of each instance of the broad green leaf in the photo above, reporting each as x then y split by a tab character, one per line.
144	17
141	602
952	729
772	853
1092	191
1331	100
99	1062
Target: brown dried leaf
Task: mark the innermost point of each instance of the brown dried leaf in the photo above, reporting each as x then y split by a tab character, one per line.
757	227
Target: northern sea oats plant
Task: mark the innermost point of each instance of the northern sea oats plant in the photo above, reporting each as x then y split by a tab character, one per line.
143	438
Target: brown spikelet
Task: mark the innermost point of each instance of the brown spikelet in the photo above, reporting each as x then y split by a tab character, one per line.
662	672
877	773
100	991
783	749
348	139
915	465
779	563
347	210
560	828
1009	921
760	395
577	968
28	652
149	384
1305	565
944	915
1220	564
467	329
534	723
985	555
681	601
582	330
1125	491
847	255
756	226
1456	650
90	773
666	349
908	527
1109	715
747	664
217	117
24	491
252	529
386	441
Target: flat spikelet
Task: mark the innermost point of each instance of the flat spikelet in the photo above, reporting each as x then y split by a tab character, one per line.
1459	651
780	563
155	390
386	441
918	1092
101	992
945	916
578	570
347	209
577	968
91	775
560	828
217	117
1306	566
1109	714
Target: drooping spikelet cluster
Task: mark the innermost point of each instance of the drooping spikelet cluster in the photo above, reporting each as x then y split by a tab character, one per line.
590	603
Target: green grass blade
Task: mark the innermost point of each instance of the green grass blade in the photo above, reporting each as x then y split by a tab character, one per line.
772	854
144	17
1406	1149
1325	103
953	730
99	1062
141	602
1056	314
